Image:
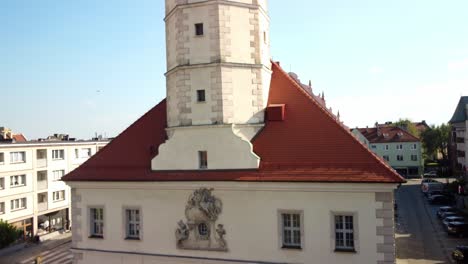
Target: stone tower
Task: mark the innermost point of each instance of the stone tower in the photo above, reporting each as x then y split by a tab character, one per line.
217	80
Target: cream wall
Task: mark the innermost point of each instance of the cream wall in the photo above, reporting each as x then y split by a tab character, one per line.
250	217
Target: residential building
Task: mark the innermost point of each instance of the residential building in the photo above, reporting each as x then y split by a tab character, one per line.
32	196
459	135
241	163
401	150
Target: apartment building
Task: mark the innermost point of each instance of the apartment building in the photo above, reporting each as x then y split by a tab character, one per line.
32	196
459	135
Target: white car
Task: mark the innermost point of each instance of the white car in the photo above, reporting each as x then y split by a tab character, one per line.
431	174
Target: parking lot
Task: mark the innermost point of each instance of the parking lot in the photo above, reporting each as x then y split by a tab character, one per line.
420	235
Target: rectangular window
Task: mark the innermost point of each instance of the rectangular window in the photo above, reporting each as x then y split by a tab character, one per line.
414	146
344	233
386	158
399	157
414	157
58	196
2	207
2	158
41	197
399	147
18	204
17	180
200	95
57	174
58	154
2	183
373	146
203	159
17	157
386	147
96	222
82	153
291	230
199	29
132	219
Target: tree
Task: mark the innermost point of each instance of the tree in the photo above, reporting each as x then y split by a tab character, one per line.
436	139
8	234
407	125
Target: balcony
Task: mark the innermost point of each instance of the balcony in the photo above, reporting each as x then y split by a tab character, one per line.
41	163
42	180
42	185
42	201
41	160
460	140
42	207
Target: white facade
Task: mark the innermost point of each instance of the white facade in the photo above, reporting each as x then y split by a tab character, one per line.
461	138
30	174
250	215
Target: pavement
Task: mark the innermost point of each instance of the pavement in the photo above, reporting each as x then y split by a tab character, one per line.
54	250
420	238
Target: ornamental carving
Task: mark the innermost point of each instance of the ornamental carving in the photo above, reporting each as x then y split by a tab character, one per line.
200	230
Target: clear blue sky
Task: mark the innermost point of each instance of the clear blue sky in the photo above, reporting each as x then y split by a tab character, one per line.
87	66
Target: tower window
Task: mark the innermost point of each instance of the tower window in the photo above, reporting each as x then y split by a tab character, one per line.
203	159
201	96
199	29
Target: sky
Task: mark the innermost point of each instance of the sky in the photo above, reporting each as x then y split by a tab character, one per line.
85	67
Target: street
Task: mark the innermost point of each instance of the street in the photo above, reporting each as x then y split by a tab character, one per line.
420	237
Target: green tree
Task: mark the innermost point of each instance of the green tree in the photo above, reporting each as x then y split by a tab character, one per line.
436	139
407	125
8	234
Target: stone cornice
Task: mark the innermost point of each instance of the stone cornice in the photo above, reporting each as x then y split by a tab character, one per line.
216	64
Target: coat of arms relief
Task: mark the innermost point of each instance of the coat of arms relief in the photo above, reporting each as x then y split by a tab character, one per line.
200	230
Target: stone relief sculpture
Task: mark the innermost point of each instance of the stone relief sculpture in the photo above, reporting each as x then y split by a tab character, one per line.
200	232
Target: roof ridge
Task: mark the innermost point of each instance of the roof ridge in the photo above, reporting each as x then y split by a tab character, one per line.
377	158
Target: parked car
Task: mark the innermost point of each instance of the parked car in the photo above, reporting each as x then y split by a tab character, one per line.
439	199
450	219
431	174
460	254
432	186
434	192
448	214
457	229
444	209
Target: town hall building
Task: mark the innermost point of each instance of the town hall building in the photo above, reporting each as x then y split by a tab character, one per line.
241	163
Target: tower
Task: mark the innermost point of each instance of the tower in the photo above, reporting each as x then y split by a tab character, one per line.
217	81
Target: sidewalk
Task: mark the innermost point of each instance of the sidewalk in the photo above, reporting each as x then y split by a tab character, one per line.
33	250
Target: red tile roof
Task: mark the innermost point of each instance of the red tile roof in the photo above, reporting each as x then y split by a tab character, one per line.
309	145
387	134
19	138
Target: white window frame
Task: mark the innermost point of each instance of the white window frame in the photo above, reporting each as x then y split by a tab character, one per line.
57	175
2	183
386	158
2	208
58	154
373	146
414	147
58	196
399	146
414	157
398	157
83	153
386	147
92	221
281	229
2	158
18	157
18	181
344	231
18	204
134	222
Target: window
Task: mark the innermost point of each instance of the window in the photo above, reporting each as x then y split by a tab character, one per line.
264	37
58	196
373	146
291	230
386	147
386	157
399	146
414	157
2	207
414	146
17	180
2	183
58	154
132	217
2	158
41	197
200	95
18	204
399	157
199	29
344	233
57	174
203	159
17	157
82	153
42	176
96	222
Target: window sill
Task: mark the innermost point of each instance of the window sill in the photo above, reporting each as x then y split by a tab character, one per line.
292	247
345	250
56	201
17	162
18	209
96	237
199	36
17	186
57	159
132	238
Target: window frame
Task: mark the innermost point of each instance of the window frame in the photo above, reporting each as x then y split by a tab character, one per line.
91	222
386	158
399	146
386	147
2	208
2	183
398	157
60	197
414	157
281	242
54	178
413	146
22	178
58	154
22	204
202	159
355	232
201	96
199	29
126	223
17	160
2	158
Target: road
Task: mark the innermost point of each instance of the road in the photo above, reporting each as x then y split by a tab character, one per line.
419	234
